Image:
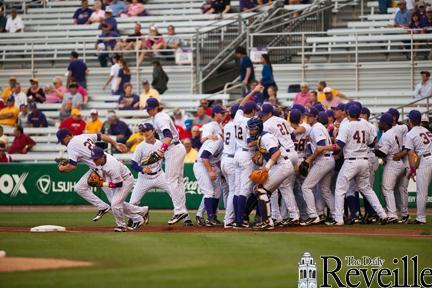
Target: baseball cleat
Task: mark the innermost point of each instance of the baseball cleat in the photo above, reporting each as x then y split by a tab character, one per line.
211	223
219	223
100	213
322	218
291	222
120	229
392	220
176	218
138	224
404	219
200	221
263	226
243	225
333	222
229	225
188	222
383	221
277	223
310	221
130	224
416	222
146	214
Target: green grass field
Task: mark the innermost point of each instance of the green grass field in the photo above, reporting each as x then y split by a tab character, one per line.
238	260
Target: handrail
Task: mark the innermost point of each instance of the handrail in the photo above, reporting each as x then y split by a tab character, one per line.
412	103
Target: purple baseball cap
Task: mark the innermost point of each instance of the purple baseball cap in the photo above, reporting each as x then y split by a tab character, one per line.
414	115
151	103
234	108
249	107
265	109
218	109
386	118
299	107
145	127
96	153
313	112
340	106
394	112
330	113
354	110
62	133
322	117
295	116
319	107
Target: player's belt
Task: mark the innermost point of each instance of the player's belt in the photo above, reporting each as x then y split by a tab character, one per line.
229	155
245	149
426	155
176	143
327	155
153	173
361	158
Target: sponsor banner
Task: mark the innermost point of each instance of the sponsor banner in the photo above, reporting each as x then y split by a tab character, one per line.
42	184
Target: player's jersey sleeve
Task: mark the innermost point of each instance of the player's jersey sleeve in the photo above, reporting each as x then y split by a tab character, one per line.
269	142
162	123
409	141
210	146
73	154
343	134
239	114
138	154
113	170
384	144
319	134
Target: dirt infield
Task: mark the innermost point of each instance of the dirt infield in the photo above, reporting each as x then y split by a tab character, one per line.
318	229
12	264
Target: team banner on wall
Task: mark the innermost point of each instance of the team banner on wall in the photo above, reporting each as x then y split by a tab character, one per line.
42	184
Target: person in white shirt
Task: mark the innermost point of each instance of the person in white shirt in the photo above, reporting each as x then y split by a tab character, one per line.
14	23
424	88
113	77
20	96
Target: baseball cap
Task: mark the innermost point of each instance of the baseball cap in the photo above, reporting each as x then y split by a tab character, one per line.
319	107
93	111
426	72
108	10
414	115
11	98
266	109
394	112
32	105
425	118
328	90
151	103
218	109
354	110
357	103
234	108
295	116
12	78
62	133
96	153
322	117
330	113
366	111
313	112
386	118
340	106
249	107
34	80
145	127
75	112
299	107
145	82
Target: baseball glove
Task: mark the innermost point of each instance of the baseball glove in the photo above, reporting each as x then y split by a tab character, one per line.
152	158
61	162
95	180
259	176
257	158
304	168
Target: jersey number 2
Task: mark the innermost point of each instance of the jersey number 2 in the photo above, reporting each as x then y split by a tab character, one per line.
239	132
227	138
360	136
89	144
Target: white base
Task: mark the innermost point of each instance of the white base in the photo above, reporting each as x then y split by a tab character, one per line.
48	228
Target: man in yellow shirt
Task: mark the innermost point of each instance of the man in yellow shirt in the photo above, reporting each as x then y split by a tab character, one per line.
321	95
9	114
8	90
191	153
135	139
95	125
148	92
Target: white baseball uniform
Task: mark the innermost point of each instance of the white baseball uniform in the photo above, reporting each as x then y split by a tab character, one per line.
174	161
211	128
419	139
320	172
228	168
356	136
394	178
116	172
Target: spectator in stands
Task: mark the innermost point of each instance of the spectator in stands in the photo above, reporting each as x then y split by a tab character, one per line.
22	143
23	116
196	136
313	98
105	43
3	18
4	158
267	78
65	110
93	126
75	124
124	76
9	114
403	15
153	42
117	7
136	9
172	41
201	117
14	23
383	5
179	118
160	78
3	137
9	90
421	11
36	118
330	101
118	128
247	5
428	19
321	96
424	87
191	153
247	73
35	93
98	14
77	70
129	42
204	103
205	7
82	15
81	90
257	92
272	92
129	100
114	77
109	20
19	95
303	97
148	92
54	93
136	138
73	96
219	6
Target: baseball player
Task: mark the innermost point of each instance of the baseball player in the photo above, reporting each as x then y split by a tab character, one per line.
174	152
208	175
120	180
243	159
418	143
281	129
353	139
79	150
394	179
321	170
277	164
228	167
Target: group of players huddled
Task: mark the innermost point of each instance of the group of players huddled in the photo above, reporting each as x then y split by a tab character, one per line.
310	172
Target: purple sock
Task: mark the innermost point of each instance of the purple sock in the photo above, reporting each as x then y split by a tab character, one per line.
350	201
208	204
215	205
241	202
357	203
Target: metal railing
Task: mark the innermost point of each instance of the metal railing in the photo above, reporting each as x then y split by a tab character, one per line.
422	104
